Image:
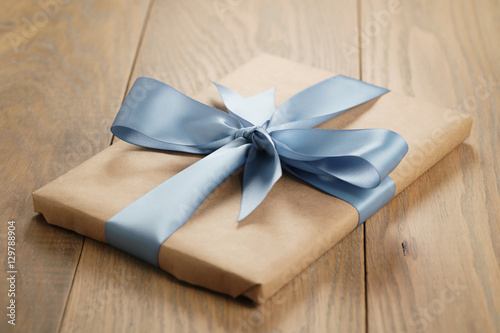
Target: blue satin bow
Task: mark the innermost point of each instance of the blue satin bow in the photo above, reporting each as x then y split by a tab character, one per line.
352	165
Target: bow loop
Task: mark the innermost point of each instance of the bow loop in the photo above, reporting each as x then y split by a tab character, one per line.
155	115
323	101
362	158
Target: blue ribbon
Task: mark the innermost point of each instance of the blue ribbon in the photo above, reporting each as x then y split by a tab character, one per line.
352	165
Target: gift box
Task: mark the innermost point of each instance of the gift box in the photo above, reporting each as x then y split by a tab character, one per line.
293	226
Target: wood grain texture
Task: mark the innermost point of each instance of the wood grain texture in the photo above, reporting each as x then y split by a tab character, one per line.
189	44
63	68
432	254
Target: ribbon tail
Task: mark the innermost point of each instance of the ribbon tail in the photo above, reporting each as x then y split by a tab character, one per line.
141	227
366	201
253	110
262	171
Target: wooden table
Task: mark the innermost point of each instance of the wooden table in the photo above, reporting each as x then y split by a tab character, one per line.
428	261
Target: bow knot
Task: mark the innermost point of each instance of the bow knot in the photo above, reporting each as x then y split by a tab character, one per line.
246	132
257	136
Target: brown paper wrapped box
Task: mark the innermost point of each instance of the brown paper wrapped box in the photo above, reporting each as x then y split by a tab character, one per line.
294	225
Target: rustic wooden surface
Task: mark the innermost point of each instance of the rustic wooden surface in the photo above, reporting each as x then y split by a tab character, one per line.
63	73
429	261
433	254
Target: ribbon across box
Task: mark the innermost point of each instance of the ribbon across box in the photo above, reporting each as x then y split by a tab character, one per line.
151	202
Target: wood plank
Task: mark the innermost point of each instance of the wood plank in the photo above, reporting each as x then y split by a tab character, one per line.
63	68
432	255
188	44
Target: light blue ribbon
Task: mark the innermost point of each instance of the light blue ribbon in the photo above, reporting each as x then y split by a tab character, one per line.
352	165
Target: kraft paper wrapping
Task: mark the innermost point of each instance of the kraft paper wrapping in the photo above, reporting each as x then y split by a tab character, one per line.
294	225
